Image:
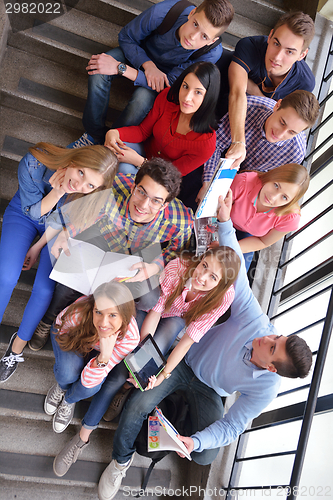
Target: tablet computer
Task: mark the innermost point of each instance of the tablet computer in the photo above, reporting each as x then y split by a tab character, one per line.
144	361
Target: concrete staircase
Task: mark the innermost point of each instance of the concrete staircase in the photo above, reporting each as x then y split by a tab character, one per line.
43	87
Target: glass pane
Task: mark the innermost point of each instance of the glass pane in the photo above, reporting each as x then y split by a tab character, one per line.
275	439
266	472
317	477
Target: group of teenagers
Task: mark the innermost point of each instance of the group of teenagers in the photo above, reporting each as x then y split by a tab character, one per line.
132	190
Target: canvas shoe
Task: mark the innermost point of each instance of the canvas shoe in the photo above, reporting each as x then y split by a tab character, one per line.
40	336
111	478
84	140
53	399
68	455
117	404
63	416
9	361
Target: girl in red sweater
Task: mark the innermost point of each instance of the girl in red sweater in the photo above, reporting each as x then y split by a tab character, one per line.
180	127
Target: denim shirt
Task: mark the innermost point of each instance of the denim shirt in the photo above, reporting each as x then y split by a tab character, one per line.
33	177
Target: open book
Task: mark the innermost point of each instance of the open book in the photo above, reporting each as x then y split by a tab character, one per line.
144	361
163	436
205	223
88	266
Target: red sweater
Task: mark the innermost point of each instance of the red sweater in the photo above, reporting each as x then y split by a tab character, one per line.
186	152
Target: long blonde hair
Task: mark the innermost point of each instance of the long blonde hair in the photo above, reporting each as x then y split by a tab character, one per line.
292	173
230	264
83	337
98	158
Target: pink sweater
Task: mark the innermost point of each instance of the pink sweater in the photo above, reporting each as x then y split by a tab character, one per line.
245	188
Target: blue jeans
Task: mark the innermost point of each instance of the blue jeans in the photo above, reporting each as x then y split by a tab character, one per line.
166	331
95	111
205	407
128	168
241	235
18	232
67	371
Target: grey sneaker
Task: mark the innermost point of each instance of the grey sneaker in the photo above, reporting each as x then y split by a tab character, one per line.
9	361
111	478
84	140
117	404
53	399
63	416
40	336
68	455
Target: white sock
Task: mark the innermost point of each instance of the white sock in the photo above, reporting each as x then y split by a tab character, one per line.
124	465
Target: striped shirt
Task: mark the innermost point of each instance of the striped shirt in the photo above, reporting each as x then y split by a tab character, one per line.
169	281
90	376
261	155
171	226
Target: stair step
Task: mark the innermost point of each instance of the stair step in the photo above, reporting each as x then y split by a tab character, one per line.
31	129
54	92
259	11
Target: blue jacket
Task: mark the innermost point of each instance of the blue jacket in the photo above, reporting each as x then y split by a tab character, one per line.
33	177
164	50
217	360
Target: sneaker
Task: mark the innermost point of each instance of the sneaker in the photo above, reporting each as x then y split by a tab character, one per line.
117	404
111	478
9	361
63	416
40	336
53	399
84	140
68	455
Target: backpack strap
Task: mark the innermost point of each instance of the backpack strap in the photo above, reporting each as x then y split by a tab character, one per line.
200	52
147	476
172	16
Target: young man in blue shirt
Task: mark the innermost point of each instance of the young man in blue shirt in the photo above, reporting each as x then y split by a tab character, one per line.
270	66
243	354
151	60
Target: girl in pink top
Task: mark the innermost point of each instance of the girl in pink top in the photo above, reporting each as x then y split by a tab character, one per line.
265	205
89	338
193	295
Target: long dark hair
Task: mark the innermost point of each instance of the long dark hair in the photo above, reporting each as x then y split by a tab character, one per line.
83	337
204	119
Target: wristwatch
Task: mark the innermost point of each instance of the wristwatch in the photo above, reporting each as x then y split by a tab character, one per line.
101	364
121	68
166	375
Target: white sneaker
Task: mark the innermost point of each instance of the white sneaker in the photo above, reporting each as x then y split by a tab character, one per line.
63	416
111	478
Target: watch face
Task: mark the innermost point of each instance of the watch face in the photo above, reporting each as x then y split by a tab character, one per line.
121	68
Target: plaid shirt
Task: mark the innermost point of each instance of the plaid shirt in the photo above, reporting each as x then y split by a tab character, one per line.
261	155
171	229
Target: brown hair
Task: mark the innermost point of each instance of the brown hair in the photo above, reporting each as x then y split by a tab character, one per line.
218	12
230	264
292	173
299	359
300	24
164	173
304	103
98	158
83	337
